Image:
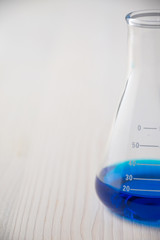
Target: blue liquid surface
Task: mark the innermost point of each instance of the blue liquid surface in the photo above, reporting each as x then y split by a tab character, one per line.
132	189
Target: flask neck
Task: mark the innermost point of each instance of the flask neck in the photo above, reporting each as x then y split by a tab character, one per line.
144	49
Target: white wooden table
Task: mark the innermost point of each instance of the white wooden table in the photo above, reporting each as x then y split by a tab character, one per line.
55	117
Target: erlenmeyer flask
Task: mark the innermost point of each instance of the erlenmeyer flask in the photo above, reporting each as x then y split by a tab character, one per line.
129	181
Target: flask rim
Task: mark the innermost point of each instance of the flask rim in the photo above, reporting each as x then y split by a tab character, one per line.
144	18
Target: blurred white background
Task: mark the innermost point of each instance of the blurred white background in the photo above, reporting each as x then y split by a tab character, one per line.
81	46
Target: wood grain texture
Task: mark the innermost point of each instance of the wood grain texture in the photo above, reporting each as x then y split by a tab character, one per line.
47	180
55	117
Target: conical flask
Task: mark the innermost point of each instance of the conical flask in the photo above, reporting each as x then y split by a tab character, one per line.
129	181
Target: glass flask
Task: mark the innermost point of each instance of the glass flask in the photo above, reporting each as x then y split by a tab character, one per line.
129	181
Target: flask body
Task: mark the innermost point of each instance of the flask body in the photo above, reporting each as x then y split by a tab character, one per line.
129	181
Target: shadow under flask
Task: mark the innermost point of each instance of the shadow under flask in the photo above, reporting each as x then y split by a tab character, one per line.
129	181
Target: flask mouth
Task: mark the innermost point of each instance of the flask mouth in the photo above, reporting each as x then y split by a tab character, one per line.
144	18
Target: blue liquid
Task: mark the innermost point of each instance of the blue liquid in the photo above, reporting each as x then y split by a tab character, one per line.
132	189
